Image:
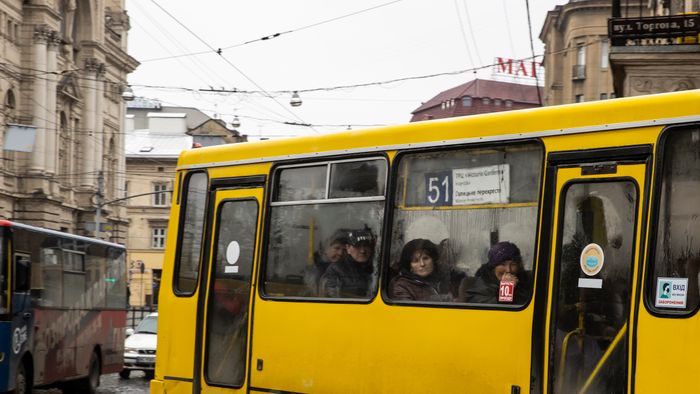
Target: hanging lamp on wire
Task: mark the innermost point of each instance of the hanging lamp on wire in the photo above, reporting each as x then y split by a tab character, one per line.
296	100
235	123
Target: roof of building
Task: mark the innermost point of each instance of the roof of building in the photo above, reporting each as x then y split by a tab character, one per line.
485	88
148	144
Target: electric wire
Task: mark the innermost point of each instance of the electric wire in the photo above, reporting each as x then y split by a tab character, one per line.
231	64
275	35
532	48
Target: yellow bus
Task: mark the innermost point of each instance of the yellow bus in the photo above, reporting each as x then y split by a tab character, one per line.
546	250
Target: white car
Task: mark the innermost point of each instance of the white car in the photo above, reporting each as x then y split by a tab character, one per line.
140	348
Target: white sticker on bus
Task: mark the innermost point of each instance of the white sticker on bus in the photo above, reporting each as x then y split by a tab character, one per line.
592	259
481	185
671	292
233	252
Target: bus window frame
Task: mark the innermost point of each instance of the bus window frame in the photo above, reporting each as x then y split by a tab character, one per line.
555	266
210	290
650	264
182	197
389	219
269	204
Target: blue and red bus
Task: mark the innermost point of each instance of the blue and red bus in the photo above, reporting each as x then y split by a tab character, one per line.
62	309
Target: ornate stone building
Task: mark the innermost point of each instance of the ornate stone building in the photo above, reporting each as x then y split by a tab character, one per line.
599	49
657	51
576	61
63	68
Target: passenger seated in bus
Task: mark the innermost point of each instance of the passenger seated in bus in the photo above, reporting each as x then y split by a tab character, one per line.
420	277
351	276
505	264
331	251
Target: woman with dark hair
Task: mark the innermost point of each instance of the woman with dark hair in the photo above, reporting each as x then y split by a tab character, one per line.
419	277
505	265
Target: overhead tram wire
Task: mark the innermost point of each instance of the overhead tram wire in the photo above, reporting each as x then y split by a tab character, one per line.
532	49
194	62
464	33
275	35
471	31
231	64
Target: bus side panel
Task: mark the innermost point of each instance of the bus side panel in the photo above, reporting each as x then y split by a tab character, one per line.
102	331
176	323
8	363
315	347
667	351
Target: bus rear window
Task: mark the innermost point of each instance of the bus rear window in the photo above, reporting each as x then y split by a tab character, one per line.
460	217
192	227
676	257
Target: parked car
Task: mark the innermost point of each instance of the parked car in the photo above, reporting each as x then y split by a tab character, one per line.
140	347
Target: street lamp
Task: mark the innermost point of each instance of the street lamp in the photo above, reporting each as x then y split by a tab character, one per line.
296	100
235	123
127	93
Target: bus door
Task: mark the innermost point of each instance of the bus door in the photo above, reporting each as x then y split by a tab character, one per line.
223	331
22	326
596	225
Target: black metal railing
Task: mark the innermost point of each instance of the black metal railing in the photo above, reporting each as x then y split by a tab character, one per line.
134	315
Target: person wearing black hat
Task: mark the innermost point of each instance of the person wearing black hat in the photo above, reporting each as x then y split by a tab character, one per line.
505	264
351	276
331	251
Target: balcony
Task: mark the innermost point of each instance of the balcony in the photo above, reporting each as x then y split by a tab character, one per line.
578	72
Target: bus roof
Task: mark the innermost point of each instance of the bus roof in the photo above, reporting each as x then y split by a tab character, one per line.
7	223
622	113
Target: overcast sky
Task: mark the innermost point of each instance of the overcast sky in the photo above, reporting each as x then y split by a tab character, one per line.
324	44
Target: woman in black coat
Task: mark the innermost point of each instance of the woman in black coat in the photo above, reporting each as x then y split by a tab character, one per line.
419	277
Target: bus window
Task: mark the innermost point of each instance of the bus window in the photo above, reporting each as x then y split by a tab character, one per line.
192	225
22	273
305	183
227	317
323	242
471	215
116	278
73	278
676	256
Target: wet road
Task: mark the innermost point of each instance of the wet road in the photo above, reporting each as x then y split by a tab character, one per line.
112	384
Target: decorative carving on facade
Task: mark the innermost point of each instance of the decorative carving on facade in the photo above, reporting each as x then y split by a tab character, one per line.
94	65
42	34
650	85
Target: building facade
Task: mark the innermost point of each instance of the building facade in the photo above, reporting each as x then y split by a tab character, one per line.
156	135
477	97
600	49
577	46
656	51
62	74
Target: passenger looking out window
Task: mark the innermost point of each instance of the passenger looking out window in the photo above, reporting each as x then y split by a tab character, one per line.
351	276
420	277
331	251
505	265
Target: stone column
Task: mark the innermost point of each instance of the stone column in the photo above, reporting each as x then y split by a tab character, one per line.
87	134
41	39
53	127
100	136
120	152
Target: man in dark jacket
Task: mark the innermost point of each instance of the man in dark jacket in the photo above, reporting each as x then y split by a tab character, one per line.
352	275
